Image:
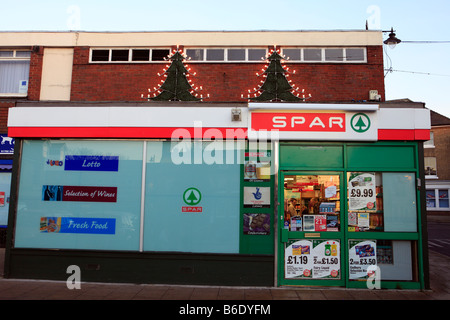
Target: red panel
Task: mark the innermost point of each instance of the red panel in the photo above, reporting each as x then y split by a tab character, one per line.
121	132
422	134
403	134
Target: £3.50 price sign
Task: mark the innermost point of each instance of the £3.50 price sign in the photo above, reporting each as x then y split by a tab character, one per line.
312	259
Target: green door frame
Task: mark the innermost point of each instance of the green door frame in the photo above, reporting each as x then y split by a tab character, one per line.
416	238
286	236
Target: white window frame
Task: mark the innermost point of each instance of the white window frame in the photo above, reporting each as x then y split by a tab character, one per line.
437	207
225	60
323	49
130	55
15	58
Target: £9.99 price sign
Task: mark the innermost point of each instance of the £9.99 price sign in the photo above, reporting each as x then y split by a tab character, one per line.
361	191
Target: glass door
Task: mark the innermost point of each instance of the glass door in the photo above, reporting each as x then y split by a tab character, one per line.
312	227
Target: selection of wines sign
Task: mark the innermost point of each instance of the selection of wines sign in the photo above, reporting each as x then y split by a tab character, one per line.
79	193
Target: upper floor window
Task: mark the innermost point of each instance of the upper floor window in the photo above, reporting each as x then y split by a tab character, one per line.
226	54
14	72
128	55
430	167
429	143
326	55
221	54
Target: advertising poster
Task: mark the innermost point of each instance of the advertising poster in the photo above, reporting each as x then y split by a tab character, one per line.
78	225
312	259
361	191
256	224
79	193
6	144
256	197
91	163
362	254
257	171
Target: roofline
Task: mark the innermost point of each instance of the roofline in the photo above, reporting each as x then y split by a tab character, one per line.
193	38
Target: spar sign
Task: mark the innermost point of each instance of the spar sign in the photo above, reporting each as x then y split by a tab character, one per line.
314	125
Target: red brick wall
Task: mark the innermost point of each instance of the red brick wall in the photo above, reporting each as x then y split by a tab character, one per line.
34	83
4	107
226	82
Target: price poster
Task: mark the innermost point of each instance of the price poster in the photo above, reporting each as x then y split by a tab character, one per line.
362	254
312	259
361	191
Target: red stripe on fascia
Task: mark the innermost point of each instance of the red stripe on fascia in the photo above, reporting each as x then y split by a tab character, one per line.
126	132
422	134
397	134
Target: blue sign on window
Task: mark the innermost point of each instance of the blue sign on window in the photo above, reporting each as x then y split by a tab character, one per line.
91	163
6	144
78	225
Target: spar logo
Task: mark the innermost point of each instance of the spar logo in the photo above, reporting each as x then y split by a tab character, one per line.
192	197
360	122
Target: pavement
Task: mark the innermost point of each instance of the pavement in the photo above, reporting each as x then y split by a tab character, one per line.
18	289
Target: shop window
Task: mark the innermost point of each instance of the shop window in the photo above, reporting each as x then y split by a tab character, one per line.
392	258
365	202
382	202
5	186
14	72
312	203
192	202
79	195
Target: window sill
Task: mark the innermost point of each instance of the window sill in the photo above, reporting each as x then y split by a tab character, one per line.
13	95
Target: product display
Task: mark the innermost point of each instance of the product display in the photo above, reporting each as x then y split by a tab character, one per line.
314	202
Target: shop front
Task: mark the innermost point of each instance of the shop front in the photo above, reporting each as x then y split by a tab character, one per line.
317	196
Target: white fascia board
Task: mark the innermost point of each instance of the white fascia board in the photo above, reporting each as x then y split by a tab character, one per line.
404	118
125	117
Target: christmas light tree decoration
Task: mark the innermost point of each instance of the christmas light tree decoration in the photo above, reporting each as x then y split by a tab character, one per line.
275	84
176	85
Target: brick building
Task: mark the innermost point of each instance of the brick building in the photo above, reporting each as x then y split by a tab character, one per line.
161	156
437	168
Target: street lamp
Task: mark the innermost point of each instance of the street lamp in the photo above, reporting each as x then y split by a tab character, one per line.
392	41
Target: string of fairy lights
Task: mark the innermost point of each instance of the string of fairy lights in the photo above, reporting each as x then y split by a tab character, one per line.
177	56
